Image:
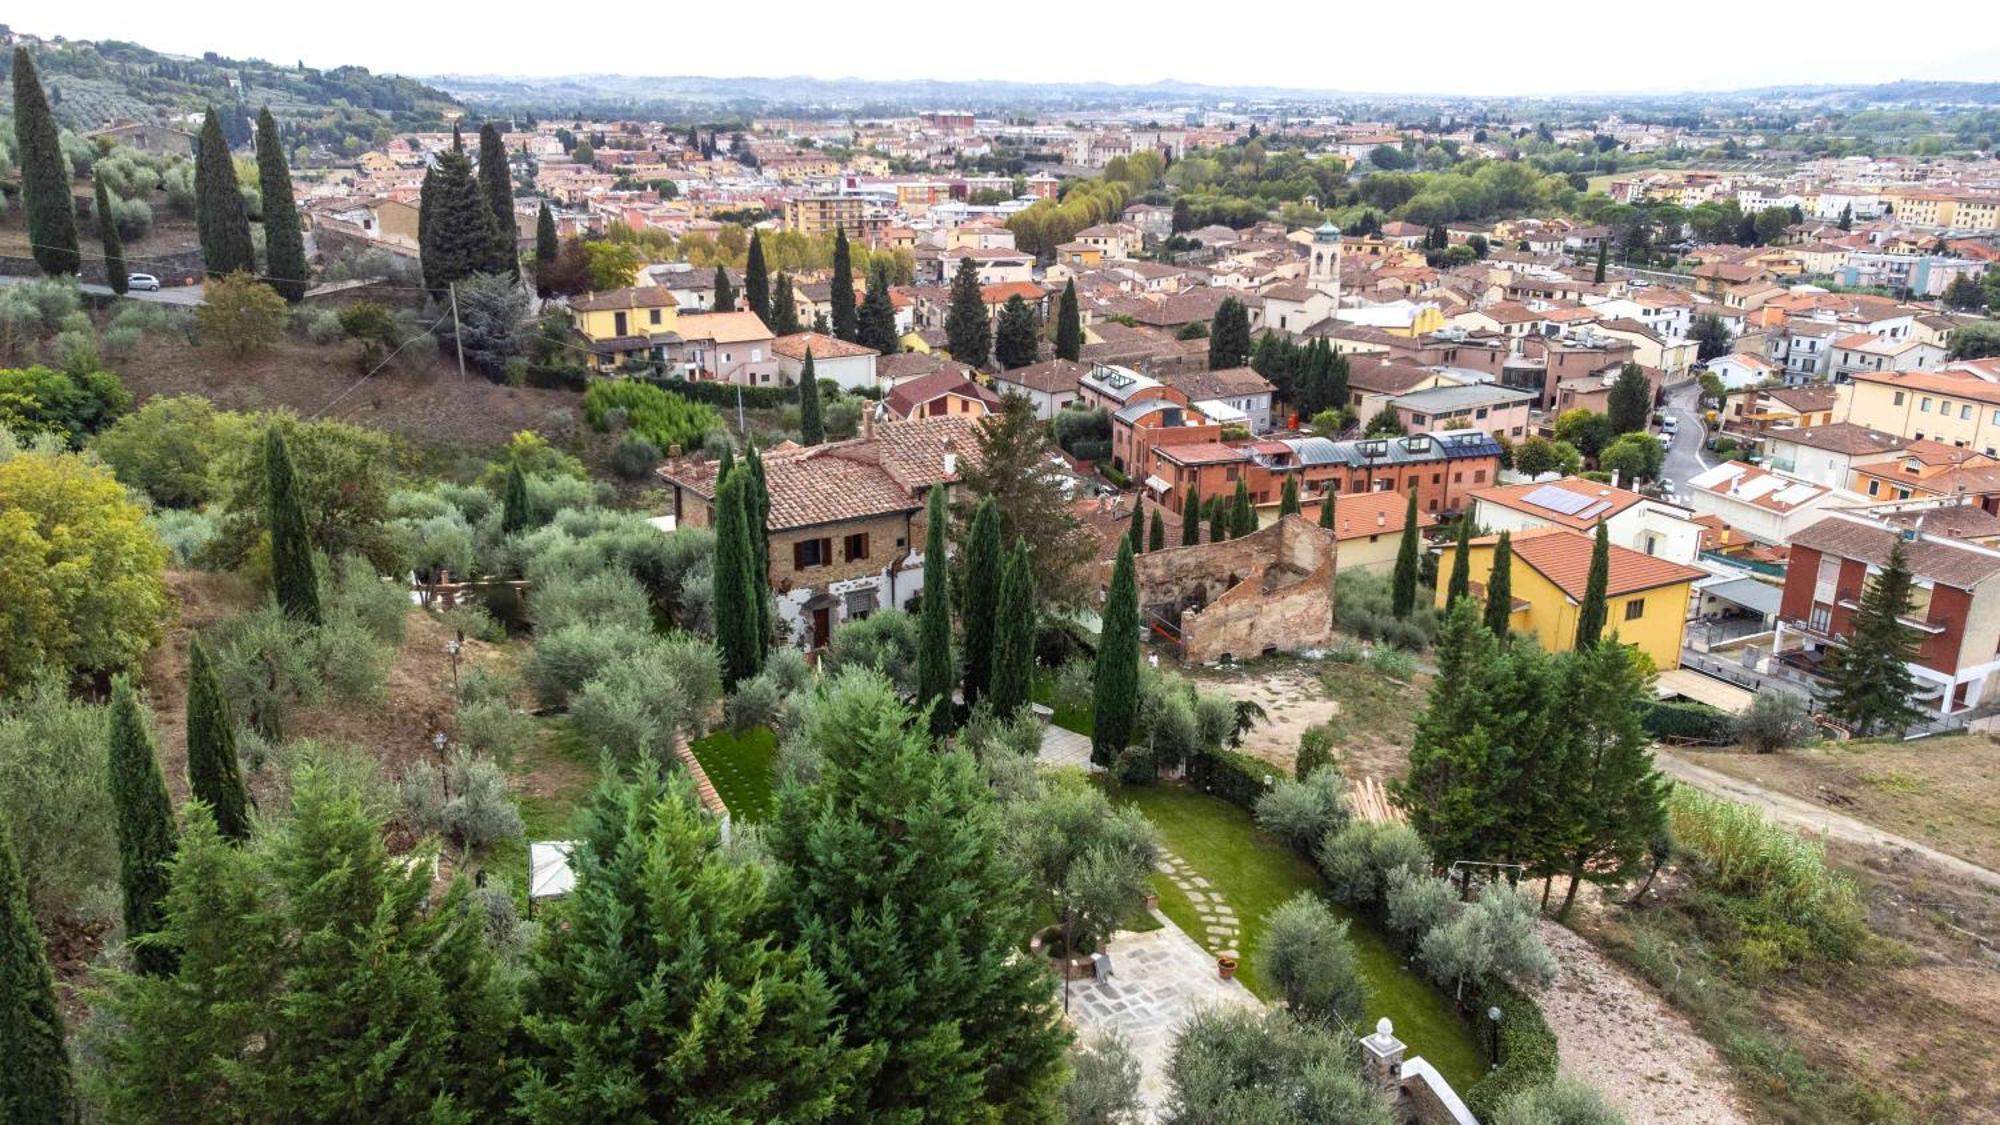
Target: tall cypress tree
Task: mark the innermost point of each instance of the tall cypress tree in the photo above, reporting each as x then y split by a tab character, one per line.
981	567
1242	517
1461	563
1014	628
548	246
284	242
725	297
1288	497
757	279
1403	584
1229	335
1156	535
114	248
760	529
458	237
514	512
1135	532
739	632
1115	694
497	185
44	180
1597	276
1326	506
1069	325
784	306
1191	518
1870	674
968	334
1591	615
840	294
1500	588
811	430
145	824
876	327
214	776
934	625
1218	519
220	218
293	577
35	1083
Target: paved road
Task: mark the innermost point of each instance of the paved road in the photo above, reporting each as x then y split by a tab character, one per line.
1787	809
1685	457
185	295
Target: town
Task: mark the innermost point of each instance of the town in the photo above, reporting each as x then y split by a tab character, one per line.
731	600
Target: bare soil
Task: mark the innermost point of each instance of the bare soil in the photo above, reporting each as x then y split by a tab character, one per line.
1372	715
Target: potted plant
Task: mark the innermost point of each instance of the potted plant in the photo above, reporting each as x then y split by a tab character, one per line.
1226	966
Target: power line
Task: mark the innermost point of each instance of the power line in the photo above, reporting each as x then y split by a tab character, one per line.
385	362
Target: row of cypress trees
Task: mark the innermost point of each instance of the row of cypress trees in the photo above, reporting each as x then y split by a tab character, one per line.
465	220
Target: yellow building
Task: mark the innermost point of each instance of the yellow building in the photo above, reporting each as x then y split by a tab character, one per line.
1951	407
621	325
1646	598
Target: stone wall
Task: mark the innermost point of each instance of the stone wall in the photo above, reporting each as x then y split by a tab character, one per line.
171	269
1271	590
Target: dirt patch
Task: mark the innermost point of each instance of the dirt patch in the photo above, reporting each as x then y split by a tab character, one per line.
1291	695
1372	715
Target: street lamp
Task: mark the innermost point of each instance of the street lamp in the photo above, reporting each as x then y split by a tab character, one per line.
1493	1015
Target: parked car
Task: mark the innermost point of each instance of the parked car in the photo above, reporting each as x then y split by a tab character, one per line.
142	281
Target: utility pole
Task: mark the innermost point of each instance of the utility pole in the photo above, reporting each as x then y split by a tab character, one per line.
457	336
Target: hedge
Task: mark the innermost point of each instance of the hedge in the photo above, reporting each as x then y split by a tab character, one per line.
1527	1047
1691	722
724	394
1236	778
659	417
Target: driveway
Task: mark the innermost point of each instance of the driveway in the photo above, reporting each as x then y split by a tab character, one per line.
1685	456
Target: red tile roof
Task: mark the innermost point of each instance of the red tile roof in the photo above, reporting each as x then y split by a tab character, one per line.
1563	557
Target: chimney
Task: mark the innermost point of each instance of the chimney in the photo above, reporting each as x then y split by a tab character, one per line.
1381	519
950	460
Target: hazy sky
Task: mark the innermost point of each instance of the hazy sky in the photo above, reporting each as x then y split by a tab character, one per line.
1442	46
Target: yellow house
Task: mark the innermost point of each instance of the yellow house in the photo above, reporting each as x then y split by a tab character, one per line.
623	325
1646	598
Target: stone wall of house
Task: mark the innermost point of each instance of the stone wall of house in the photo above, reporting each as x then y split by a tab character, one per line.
1271	590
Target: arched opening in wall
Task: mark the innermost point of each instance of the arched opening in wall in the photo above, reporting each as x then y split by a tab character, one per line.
1269	650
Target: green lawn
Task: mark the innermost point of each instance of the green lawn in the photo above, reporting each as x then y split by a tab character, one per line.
741	767
550	780
1078	719
1254	875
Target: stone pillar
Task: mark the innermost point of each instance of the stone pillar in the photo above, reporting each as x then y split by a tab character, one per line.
1382	1058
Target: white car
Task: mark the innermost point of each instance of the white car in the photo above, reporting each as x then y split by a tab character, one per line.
142	281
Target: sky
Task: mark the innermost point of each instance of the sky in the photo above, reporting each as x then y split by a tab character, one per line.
1536	48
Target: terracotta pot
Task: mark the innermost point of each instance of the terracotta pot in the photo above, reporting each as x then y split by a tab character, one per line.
1226	966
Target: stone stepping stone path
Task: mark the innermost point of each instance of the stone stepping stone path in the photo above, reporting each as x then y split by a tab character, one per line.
1218	921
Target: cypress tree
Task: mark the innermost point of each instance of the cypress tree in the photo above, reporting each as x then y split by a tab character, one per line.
760	529
934	625
1630	401
35	1083
811	430
1229	335
213	773
1135	532
1069	325
1014	634
1191	518
1218	520
145	823
1461	563
44	181
756	279
514	513
1597	276
1016	343
293	577
1242	517
498	187
1288	497
877	324
982	569
1115	695
725	297
1403	584
968	336
115	272
457	237
284	242
1156	536
1500	588
220	218
739	633
1870	674
548	247
840	294
1326	506
1591	615
784	306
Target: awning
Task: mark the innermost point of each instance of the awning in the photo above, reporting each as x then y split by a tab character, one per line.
1689	684
1155	484
1761	598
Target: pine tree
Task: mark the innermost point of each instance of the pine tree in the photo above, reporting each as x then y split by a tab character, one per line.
547	247
1461	564
497	185
981	566
1597	276
784	306
284	242
1191	518
756	279
898	887
1327	500
44	177
1614	801
214	776
812	431
1069	325
294	577
1631	400
876	323
1457	766
840	293
755	1039
725	297
220	217
456	234
739	633
114	248
145	823
968	336
1016	342
1115	694
1870	674
515	515
1288	497
1156	535
35	1084
1242	517
1592	613
934	672
1014	628
1403	583
1229	335
1500	589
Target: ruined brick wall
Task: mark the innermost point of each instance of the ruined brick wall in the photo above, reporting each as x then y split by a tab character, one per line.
1270	590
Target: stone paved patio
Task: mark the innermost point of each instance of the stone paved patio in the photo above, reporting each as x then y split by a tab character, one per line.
1064	748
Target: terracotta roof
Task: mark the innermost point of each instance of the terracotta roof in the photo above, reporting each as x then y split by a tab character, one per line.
1201	453
1804	399
641	297
1955	564
1597	501
1056	376
724	327
795	346
998	294
1386	376
1935	382
1959	521
1360	515
906	398
1841	437
1563	557
1226	383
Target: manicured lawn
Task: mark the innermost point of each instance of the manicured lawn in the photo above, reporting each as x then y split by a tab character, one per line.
741	767
1255	874
1078	719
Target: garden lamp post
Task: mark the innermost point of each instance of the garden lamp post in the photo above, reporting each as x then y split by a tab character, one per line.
1493	1019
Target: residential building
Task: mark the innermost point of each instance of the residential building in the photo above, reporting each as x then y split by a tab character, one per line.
843	361
1768	507
1238	389
1827	455
622	327
1368	529
1050	385
1496	410
814	215
939	394
1639	523
1955	406
728	347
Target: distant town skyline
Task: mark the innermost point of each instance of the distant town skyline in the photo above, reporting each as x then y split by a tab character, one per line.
1554	48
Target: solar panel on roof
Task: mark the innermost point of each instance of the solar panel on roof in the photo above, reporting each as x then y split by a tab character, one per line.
1557	499
1594	510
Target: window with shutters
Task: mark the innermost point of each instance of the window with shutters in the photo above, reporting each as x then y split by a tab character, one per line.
808	553
856	546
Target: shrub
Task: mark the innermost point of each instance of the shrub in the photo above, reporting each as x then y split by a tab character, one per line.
168	449
1358	859
353	592
1315	750
1231	1064
478	812
612	599
669	422
474	621
634	708
570	657
241	314
1074	686
1104	1085
787	668
755	704
1494	938
320	326
1306	953
885	640
266	665
1362	602
1301	813
1564	1101
1688	722
186	535
120	343
1779	890
1394	663
634	457
1236	778
75	352
52	788
495	729
1527	1048
1775	720
1417	902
